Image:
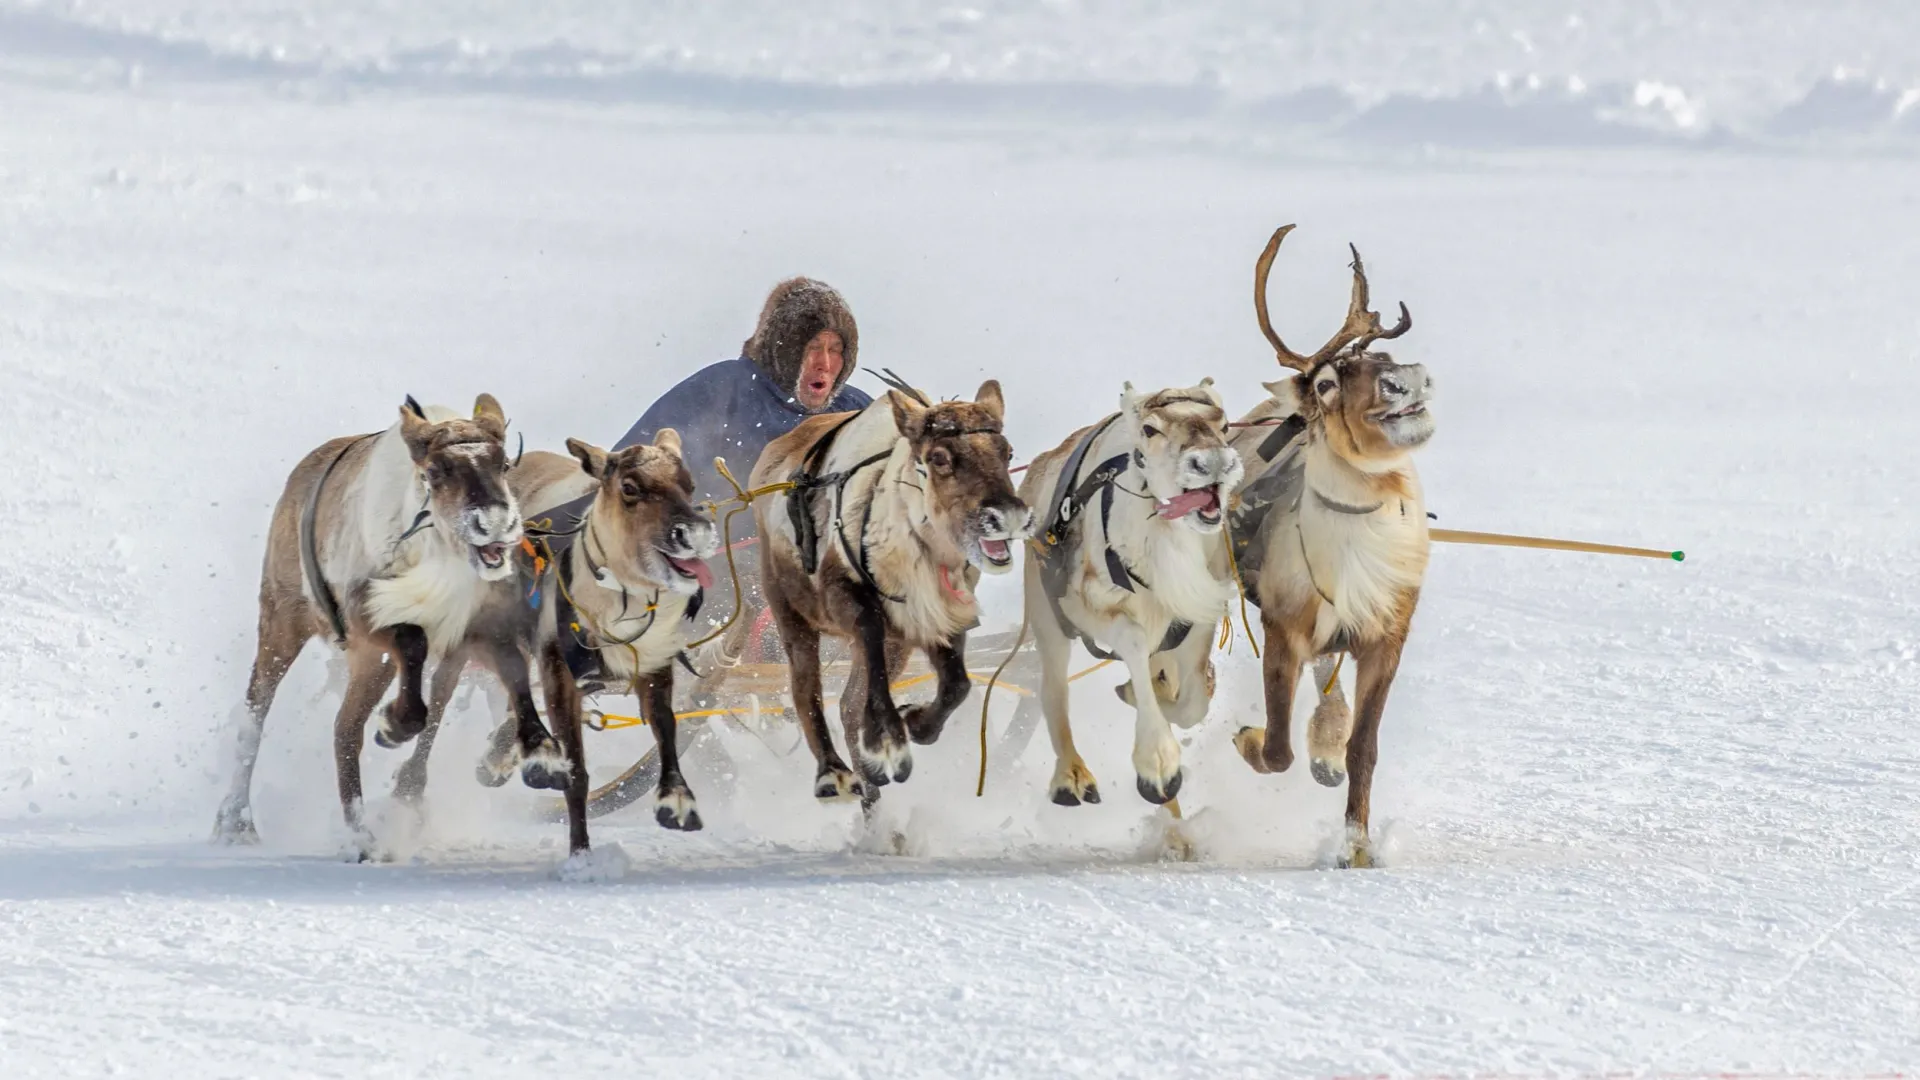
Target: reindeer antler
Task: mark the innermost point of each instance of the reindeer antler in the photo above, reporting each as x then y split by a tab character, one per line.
1361	329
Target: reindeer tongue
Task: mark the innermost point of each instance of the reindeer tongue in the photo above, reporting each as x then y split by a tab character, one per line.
697	569
1187	502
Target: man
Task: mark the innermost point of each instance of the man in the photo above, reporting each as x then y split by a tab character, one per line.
796	364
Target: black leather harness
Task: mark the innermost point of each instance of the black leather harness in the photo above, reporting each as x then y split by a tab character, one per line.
1280	484
578	645
808	481
1063	516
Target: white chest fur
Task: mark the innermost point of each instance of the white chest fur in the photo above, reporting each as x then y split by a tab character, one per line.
439	592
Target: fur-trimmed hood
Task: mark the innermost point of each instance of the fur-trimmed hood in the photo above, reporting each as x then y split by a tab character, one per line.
796	310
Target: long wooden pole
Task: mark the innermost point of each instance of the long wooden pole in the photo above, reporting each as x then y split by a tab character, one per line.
1456	536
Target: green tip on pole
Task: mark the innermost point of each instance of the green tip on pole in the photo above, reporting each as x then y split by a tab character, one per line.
1679	556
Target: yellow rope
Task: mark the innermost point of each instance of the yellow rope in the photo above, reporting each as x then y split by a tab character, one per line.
986	699
745	498
1239	585
1339	658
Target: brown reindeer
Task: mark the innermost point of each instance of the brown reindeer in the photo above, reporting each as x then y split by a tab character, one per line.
395	546
898	510
615	608
1331	537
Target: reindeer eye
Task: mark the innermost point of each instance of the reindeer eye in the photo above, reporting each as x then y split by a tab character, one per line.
939	458
629	490
1326	386
1149	431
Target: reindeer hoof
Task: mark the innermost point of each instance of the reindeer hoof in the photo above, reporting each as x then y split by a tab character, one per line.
676	810
1066	797
545	767
535	775
1073	784
837	785
921	725
1252	744
1156	794
400	723
1329	772
891	762
1358	857
233	826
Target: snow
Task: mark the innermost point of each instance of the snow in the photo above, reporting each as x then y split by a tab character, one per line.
1634	816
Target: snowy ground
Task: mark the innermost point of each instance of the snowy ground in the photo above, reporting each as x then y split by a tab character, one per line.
1638	817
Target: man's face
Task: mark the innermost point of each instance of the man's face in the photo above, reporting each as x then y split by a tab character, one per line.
819	370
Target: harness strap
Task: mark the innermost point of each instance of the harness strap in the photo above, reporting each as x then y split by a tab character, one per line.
1283	433
1277	487
859	557
579	644
1068	500
1343	508
310	553
800	498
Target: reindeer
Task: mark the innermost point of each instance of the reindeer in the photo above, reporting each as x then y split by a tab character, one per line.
393	546
1141	572
616	607
1330	533
896	511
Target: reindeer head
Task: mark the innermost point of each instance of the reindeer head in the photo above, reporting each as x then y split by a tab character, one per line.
644	524
464	464
960	459
1372	411
1180	443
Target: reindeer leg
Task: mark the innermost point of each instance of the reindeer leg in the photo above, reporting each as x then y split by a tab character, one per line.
369	673
278	645
1271	750
543	764
673	802
924	722
406	715
281	638
563	711
1331	725
410	783
882	751
1187	669
1156	754
834	781
1378	662
1072	783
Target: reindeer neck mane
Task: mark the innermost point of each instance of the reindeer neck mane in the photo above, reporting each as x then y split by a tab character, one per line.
1334	477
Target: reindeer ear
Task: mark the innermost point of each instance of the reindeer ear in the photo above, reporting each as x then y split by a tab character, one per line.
490	416
989	396
593	460
668	439
1129	400
416	429
908	414
1290	393
1206	389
